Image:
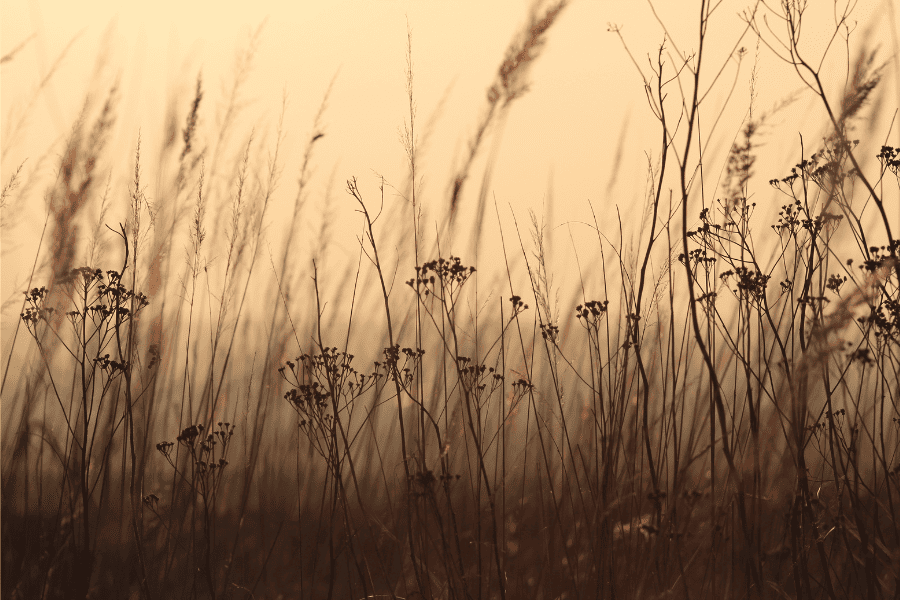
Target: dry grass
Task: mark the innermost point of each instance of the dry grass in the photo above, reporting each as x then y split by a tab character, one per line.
719	417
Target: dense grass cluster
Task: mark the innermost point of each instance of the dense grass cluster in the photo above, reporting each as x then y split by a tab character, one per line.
714	415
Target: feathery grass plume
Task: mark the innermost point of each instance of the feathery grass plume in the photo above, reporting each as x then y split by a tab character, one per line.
169	212
97	245
191	125
73	189
542	287
510	83
10	187
138	201
865	79
170	127
197	232
188	136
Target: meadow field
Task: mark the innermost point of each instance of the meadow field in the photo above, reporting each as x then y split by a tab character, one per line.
201	399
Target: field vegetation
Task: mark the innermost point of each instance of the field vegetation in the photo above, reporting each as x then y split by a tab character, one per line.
193	412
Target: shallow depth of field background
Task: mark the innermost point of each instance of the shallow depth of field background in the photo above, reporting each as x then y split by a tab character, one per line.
574	150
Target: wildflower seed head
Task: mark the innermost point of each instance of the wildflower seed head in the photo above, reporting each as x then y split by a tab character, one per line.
165	448
450	274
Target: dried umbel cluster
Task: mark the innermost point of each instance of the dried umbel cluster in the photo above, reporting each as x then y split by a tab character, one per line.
324	385
35	310
397	371
477	377
102	312
206	453
441	277
95	300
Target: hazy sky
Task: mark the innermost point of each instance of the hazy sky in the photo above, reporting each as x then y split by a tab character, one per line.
561	138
